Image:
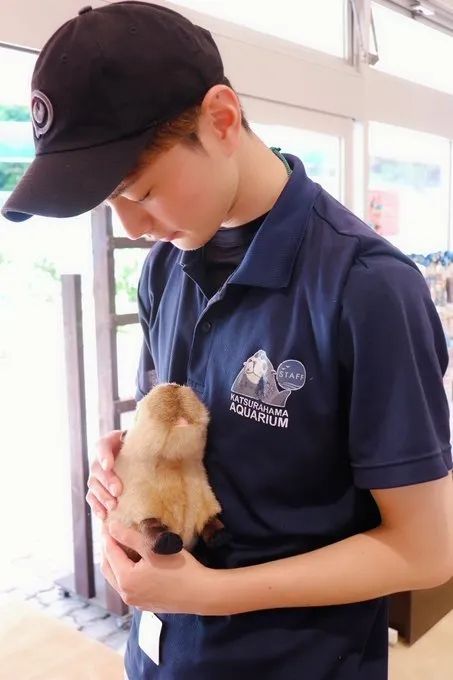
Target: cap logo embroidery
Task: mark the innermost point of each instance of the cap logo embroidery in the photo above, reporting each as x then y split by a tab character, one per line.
41	113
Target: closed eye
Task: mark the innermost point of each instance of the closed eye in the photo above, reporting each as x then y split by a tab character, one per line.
142	200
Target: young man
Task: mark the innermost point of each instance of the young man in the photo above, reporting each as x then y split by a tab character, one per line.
313	342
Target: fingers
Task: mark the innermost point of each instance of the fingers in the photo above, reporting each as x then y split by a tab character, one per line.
102	495
108	448
103	484
109	480
96	506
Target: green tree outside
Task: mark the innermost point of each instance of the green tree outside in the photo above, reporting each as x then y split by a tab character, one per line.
10	174
17	113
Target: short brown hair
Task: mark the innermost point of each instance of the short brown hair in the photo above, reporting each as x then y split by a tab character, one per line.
183	128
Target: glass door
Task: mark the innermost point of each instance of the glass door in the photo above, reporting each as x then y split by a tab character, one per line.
323	142
409	188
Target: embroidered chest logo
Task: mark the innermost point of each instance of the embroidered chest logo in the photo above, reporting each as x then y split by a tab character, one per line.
260	392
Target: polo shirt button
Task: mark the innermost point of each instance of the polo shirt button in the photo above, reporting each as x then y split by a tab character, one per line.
206	326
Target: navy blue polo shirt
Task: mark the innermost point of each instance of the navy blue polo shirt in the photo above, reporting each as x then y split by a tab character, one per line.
321	361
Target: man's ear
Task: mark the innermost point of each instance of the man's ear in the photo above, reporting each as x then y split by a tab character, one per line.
222	110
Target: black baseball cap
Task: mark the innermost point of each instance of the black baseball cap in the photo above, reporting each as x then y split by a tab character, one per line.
101	85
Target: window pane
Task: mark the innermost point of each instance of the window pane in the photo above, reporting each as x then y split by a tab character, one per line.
16	69
16	134
320	153
117	227
409	188
127	420
128	266
33	254
319	24
413	51
129	342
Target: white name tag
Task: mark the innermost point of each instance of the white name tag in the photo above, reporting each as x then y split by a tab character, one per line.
149	635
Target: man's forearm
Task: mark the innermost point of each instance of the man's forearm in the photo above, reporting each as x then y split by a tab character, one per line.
358	568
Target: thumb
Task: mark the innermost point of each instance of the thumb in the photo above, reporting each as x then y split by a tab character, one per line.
127	536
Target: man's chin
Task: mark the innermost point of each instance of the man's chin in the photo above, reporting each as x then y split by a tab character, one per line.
187	248
187	243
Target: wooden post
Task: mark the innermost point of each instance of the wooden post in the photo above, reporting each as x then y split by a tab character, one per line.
107	361
84	582
104	305
107	322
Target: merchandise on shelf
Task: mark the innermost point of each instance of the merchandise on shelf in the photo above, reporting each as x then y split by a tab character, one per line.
437	269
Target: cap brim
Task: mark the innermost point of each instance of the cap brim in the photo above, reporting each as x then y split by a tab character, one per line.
70	183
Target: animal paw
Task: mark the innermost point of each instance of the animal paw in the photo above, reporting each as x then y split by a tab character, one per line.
168	543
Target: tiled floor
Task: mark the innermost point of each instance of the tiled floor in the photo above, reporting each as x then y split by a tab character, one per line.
29	578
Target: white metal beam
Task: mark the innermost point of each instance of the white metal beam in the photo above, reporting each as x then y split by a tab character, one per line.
436	14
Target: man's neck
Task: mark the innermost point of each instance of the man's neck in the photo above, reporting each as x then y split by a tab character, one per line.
262	178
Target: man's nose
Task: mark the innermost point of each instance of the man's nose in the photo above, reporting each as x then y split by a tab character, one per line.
135	219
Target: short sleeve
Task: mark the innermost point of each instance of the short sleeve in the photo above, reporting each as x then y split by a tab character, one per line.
146	373
393	356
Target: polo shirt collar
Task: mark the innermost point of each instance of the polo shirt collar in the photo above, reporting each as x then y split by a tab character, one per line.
270	259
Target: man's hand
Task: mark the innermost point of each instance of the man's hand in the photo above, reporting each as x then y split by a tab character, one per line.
177	584
103	484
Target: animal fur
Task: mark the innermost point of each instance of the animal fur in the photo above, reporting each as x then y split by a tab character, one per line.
165	486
